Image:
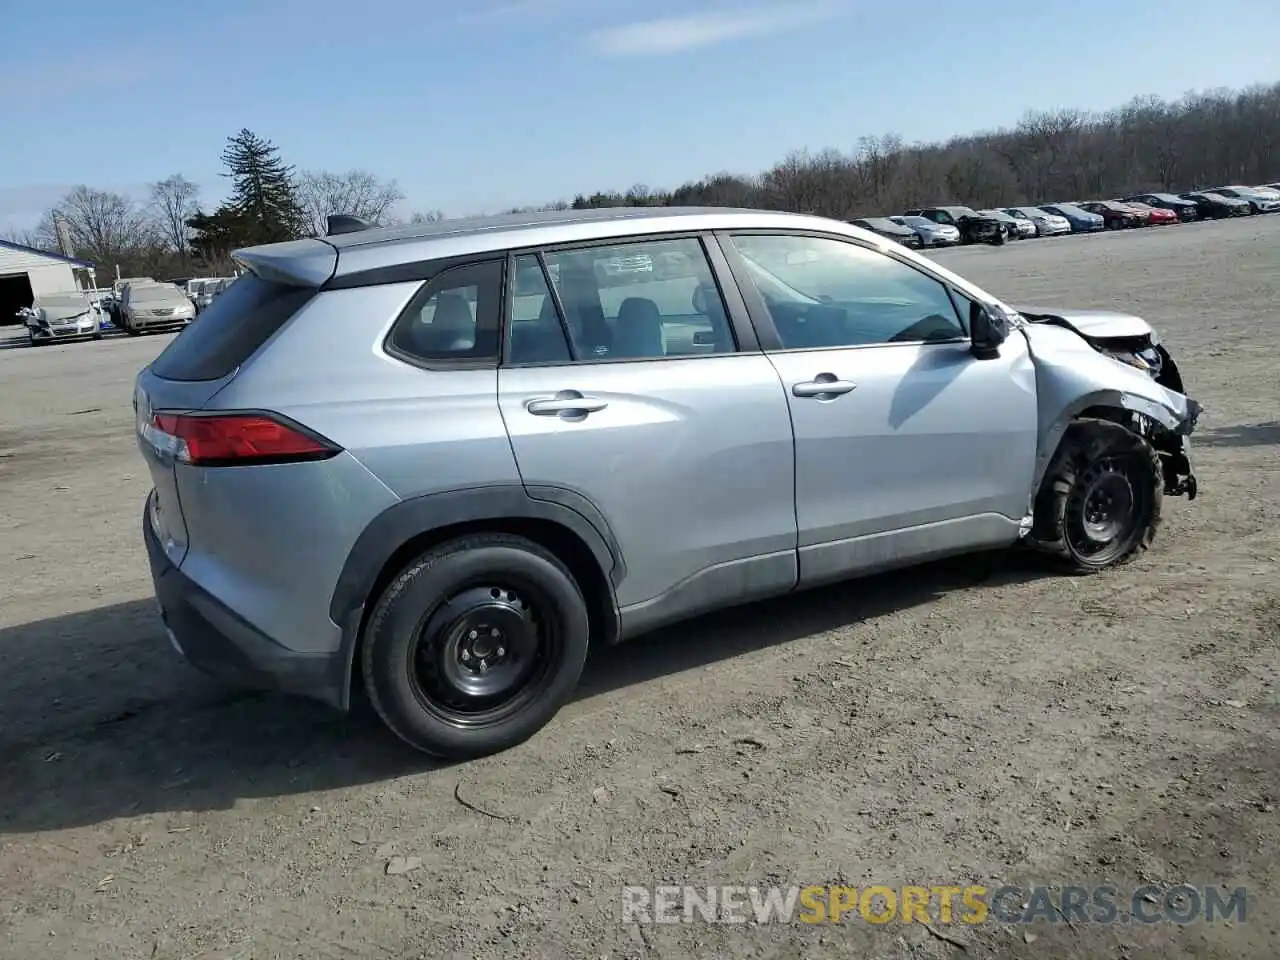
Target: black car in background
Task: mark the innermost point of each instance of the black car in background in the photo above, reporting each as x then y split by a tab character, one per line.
973	227
1185	209
887	228
1215	206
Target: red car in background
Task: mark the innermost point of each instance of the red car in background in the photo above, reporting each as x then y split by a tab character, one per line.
1116	214
1155	215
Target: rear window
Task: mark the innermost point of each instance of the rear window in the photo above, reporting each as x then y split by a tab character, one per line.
230	329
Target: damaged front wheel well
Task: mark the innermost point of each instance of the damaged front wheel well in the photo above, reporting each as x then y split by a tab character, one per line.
1174	462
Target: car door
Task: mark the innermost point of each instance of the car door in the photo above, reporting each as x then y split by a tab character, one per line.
907	446
647	395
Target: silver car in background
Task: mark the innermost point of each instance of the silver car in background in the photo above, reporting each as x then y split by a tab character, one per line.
931	234
208	290
1046	224
147	307
1018	229
71	315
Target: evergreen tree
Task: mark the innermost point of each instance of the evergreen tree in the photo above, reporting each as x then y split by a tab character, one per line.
215	235
263	189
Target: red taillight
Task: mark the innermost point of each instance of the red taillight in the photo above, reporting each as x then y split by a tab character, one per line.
240	439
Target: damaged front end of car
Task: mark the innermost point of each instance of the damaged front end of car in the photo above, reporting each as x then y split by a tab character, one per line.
1076	352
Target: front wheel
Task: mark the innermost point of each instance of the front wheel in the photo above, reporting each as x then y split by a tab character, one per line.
475	645
1100	502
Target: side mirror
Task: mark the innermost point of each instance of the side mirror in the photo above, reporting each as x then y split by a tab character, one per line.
986	332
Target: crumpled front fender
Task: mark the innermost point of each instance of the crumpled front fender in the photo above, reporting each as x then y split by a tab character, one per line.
1072	377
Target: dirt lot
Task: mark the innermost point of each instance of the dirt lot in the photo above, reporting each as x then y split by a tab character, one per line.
970	722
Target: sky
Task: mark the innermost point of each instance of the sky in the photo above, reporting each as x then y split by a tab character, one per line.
476	105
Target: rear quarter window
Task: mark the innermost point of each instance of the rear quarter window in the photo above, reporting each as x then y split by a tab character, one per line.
230	330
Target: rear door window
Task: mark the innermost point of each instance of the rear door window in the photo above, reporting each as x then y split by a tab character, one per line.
454	317
643	300
230	330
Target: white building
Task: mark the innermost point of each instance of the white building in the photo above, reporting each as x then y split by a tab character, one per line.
26	273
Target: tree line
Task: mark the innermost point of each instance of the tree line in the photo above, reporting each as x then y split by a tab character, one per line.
1149	144
1202	140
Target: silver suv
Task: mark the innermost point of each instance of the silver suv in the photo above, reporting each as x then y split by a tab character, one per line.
436	462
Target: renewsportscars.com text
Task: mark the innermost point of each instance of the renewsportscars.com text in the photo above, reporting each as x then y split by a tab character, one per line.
971	904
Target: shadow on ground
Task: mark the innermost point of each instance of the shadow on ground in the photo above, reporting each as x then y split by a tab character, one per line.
100	719
1241	435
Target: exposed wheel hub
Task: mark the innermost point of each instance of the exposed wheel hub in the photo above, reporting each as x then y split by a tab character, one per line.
1108	505
478	648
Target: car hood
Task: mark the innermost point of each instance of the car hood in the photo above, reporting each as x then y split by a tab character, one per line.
1093	324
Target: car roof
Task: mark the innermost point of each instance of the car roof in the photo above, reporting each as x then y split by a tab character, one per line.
314	261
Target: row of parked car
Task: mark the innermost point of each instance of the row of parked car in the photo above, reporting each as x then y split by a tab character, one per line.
951	225
136	305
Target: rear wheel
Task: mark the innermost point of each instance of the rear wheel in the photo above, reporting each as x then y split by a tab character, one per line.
1100	502
475	646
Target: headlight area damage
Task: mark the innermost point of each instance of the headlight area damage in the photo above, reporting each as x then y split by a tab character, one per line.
1111	365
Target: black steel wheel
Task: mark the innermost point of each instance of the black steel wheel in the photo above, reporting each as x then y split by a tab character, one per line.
1100	502
475	646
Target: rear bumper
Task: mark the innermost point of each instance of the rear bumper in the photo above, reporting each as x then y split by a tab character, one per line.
217	641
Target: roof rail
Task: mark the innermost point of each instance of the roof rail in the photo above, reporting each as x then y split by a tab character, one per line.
344	223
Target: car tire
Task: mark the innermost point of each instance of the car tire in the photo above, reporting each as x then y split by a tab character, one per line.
425	667
1099	505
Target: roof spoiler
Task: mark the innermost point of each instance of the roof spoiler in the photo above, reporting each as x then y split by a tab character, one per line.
338	223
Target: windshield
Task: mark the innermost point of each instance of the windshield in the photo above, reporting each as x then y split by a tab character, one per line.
1071	208
959	212
140	294
919	222
60	301
995	214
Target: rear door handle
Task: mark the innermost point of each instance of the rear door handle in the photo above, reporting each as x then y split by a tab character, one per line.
823	386
569	403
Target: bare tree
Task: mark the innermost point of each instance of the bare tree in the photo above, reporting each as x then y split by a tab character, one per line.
430	216
174	201
104	226
356	193
28	237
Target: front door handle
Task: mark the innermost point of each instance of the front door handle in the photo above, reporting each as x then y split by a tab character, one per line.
825	386
566	403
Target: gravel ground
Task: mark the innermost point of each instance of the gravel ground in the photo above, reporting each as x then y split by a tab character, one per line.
967	722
